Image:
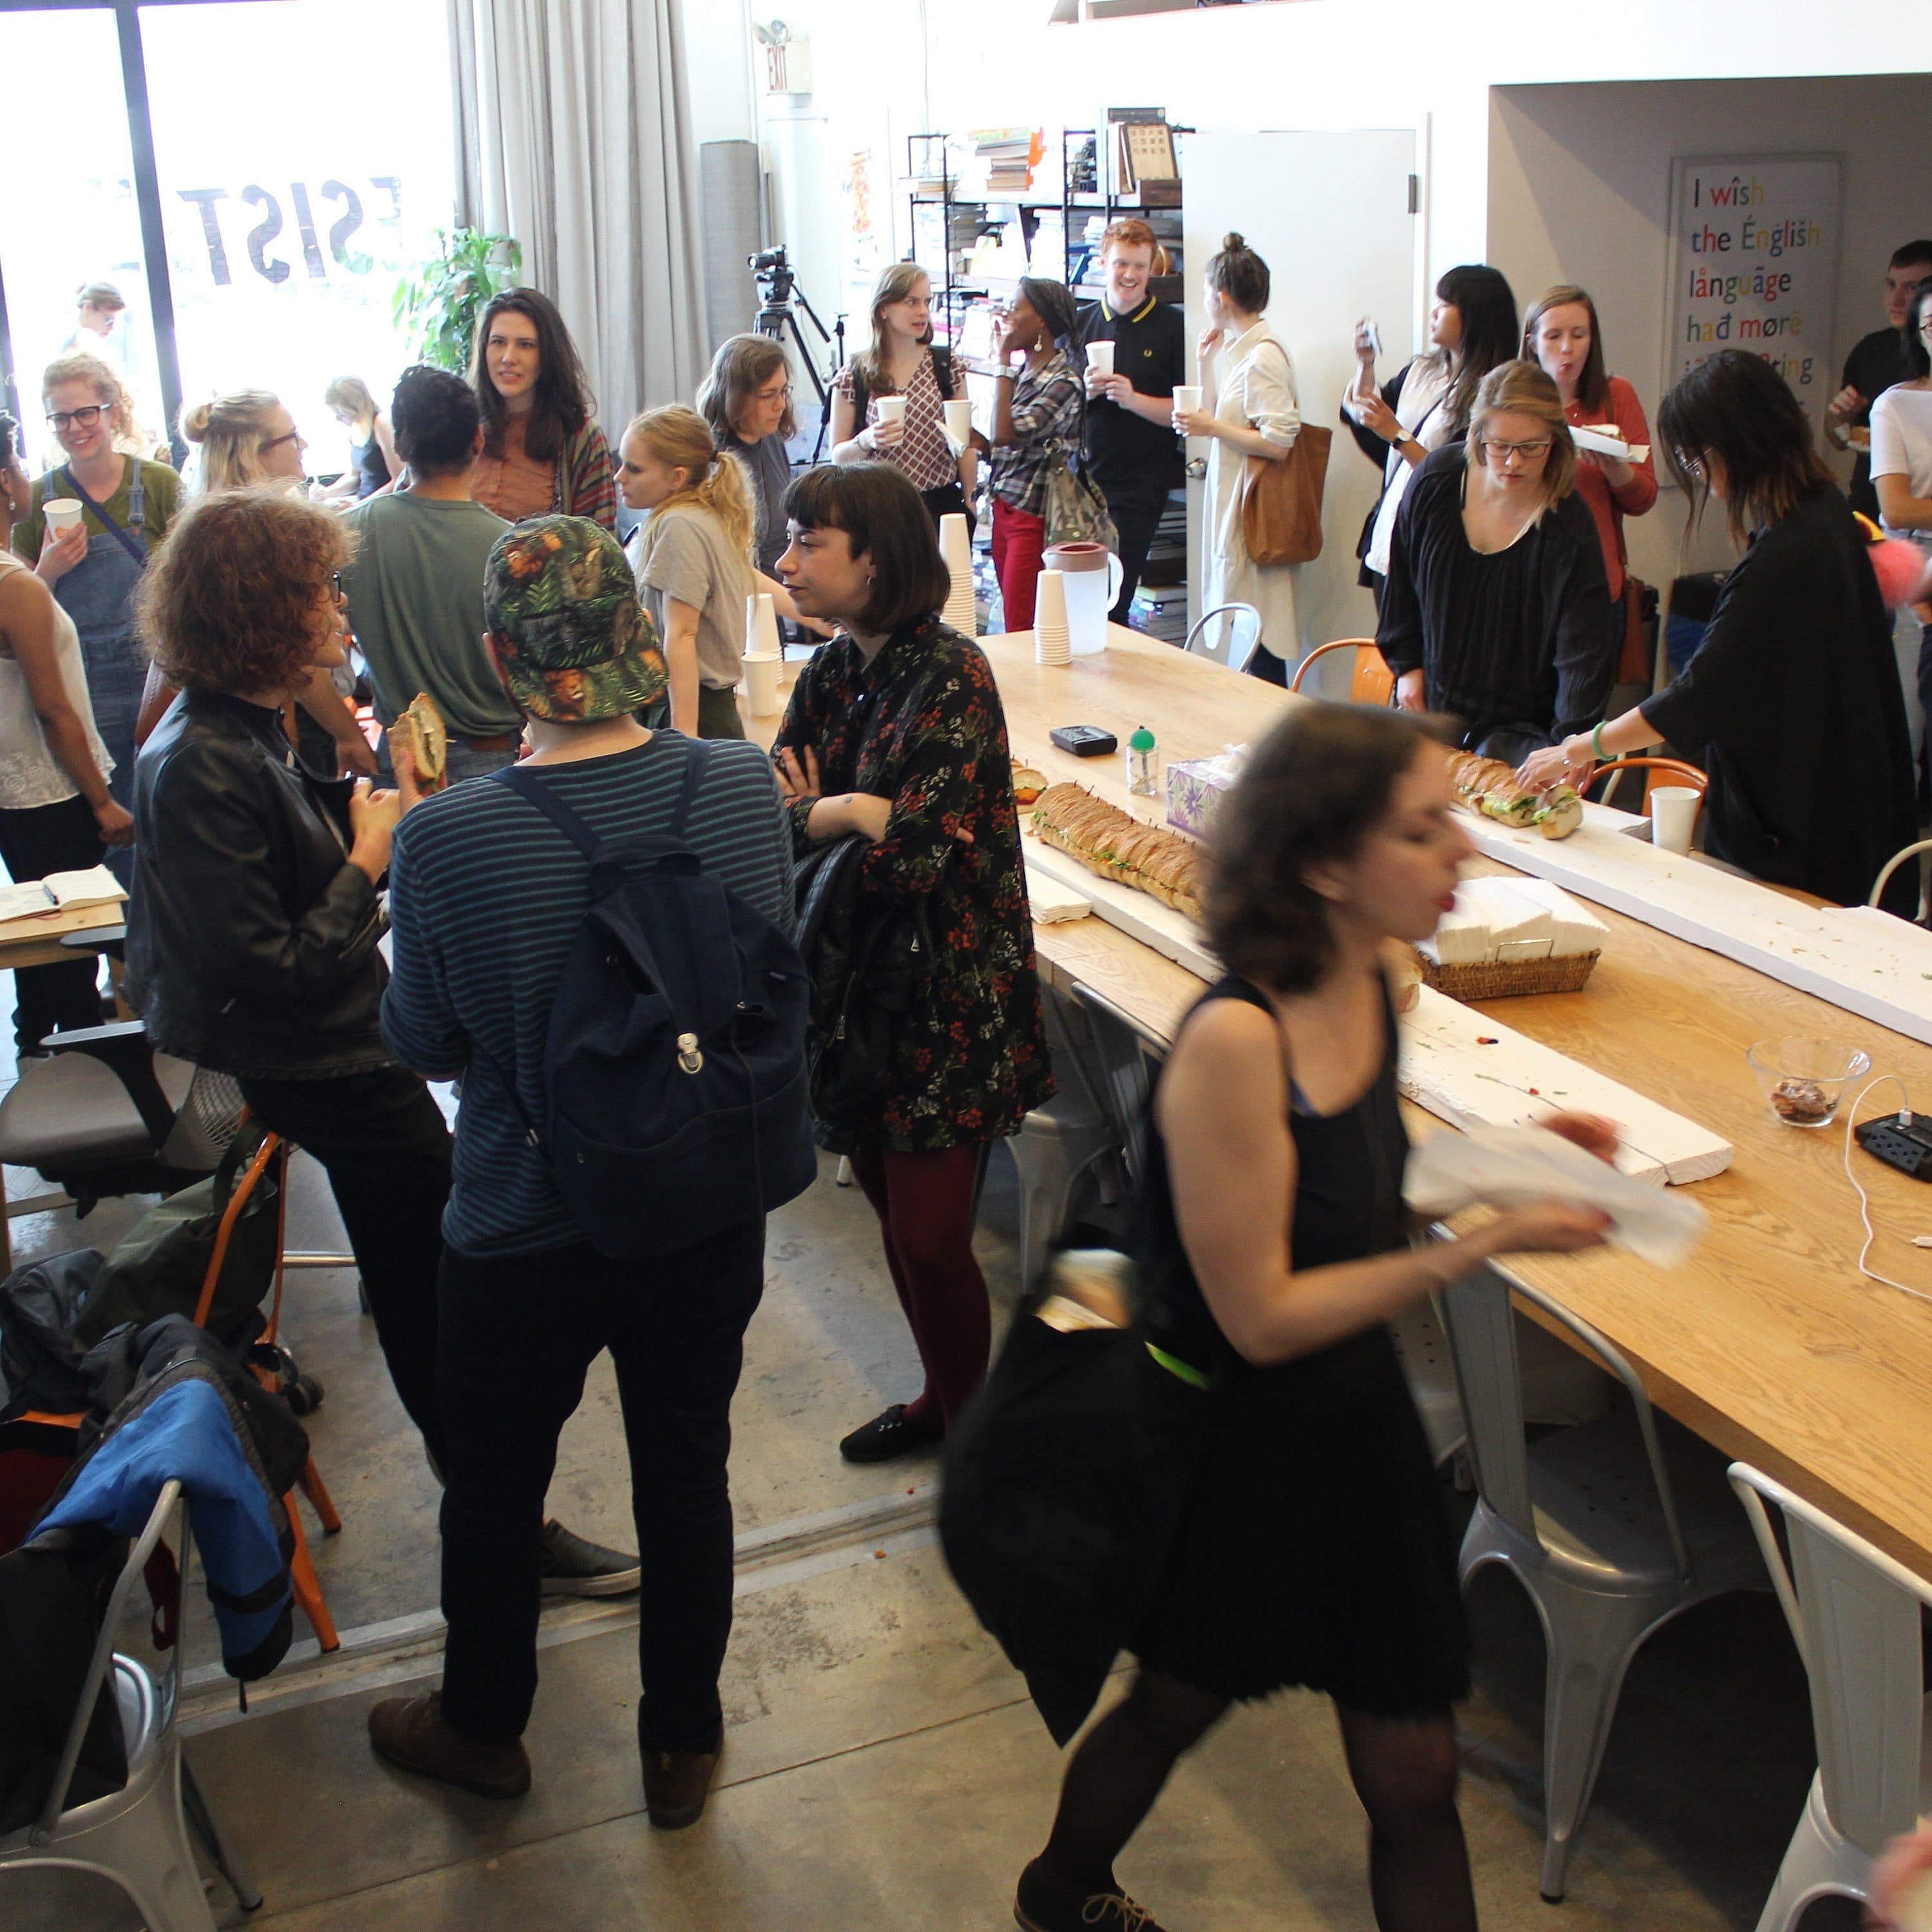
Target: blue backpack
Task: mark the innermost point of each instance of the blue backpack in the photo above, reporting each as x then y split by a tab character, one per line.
674	1068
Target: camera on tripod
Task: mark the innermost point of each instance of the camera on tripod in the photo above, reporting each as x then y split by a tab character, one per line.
772	270
778	289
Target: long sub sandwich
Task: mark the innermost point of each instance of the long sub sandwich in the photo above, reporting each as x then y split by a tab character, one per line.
1488	786
1113	845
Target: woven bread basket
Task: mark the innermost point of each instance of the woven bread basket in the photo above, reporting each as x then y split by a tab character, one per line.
1501	979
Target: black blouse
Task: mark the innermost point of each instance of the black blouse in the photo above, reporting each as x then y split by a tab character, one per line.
1520	640
1793	706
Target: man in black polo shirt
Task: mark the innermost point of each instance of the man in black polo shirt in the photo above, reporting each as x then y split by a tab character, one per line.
1132	452
1879	360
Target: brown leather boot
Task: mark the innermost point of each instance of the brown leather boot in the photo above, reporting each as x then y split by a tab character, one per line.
412	1732
676	1784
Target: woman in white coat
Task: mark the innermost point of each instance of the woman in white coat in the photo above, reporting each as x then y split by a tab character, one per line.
1247	408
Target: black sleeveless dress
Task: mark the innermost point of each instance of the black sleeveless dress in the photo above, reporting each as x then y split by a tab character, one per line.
1315	1548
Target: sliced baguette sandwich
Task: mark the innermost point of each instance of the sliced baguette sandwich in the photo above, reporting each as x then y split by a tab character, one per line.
1488	786
421	732
1113	845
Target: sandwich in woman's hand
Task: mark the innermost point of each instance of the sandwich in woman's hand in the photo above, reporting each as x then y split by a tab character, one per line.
421	732
1488	786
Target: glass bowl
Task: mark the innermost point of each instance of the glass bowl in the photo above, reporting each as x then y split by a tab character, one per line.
1804	1079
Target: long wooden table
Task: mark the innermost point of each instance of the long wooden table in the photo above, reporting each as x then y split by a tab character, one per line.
1767	1342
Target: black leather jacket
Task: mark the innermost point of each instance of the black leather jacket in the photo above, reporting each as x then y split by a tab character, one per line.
251	940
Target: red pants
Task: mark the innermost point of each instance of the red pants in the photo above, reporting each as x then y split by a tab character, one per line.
924	1202
1018	538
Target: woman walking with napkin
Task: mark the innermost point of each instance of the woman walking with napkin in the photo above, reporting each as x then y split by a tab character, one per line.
1313	1549
1248	409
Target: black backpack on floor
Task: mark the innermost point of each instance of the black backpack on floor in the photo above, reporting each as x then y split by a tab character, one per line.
674	1073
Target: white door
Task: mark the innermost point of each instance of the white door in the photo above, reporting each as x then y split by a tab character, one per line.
1330	214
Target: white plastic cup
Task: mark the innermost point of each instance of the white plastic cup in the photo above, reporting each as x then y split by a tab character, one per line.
1100	358
958	420
891	409
62	513
761	625
761	683
1186	397
1673	817
1051	643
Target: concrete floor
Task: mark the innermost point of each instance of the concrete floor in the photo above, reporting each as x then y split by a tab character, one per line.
883	1768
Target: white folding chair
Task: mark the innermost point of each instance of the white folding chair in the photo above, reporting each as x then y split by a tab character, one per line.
1856	1616
1228	634
136	1838
1613	1527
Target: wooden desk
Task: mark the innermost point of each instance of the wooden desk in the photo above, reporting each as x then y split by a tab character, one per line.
1768	1341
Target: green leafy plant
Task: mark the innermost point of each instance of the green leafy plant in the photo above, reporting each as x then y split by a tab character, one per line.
438	303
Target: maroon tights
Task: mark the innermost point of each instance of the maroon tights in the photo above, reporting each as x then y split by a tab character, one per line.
924	1202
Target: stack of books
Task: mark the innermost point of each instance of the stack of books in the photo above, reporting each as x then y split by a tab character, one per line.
1009	156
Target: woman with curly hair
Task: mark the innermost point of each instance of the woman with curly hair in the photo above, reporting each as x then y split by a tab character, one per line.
252	935
1312	1548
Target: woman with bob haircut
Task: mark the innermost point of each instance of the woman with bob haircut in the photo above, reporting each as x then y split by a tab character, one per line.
543	454
1792	704
1472	328
900	360
1495	612
894	732
747	399
1313	1549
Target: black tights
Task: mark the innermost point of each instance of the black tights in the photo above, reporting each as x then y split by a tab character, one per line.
1404	1770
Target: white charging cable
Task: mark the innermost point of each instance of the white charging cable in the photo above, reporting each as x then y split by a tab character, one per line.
1864	1200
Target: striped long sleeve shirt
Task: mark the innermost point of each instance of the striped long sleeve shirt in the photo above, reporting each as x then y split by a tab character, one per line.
486	896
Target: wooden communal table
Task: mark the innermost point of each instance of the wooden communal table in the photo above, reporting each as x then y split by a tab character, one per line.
1767	1342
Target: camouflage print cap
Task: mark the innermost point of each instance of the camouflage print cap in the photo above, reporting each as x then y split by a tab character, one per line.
574	643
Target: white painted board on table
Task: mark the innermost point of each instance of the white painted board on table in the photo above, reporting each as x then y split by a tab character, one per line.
1171	934
1865	962
1051	901
1514	1081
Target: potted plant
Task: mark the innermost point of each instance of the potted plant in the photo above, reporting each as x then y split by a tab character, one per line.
439	302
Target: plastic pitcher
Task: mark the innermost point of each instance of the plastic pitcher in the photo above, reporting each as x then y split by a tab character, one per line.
1093	577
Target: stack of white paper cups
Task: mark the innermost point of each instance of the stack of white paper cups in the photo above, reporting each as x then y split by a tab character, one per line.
1052	644
955	551
763	655
958	424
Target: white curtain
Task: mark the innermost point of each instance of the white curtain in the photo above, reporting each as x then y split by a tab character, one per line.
574	137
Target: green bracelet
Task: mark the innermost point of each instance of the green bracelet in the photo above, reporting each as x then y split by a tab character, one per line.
1597	744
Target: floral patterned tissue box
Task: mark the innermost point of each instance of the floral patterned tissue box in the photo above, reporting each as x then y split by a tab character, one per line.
1195	786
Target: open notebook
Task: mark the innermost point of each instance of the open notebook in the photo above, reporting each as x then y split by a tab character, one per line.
96	886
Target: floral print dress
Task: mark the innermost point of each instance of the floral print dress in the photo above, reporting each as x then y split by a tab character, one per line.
922	725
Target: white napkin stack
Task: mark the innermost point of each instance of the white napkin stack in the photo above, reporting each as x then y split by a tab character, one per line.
956	550
1505	1167
1499	919
1052	643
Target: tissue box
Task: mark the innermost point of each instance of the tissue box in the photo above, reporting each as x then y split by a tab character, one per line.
1195	789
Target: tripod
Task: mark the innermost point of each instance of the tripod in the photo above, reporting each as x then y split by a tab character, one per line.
776	317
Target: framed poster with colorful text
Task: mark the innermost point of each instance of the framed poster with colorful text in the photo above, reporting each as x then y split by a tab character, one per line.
1754	243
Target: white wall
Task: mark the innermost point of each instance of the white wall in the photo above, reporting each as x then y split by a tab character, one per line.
1579	191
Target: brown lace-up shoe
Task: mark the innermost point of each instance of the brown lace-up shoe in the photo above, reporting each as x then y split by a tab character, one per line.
412	1733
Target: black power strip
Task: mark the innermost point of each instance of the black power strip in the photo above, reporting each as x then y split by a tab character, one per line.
1903	1141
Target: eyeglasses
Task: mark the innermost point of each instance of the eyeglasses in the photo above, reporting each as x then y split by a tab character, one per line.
58	420
784	395
1691	466
1497	451
276	442
335	587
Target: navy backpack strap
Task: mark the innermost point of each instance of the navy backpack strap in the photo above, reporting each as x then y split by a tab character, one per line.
526	785
694	770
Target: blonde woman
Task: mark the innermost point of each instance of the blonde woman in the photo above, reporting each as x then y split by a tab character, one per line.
126	505
1248	408
372	461
692	559
248	440
1496	611
902	360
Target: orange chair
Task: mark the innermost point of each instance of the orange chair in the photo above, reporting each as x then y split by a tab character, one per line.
1657	771
274	1152
1372	683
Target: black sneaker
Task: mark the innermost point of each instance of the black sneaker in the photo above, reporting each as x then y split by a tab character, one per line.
574	1567
890	1435
1041	1906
